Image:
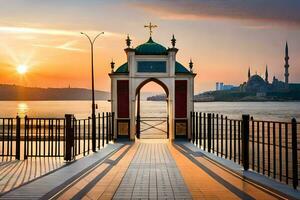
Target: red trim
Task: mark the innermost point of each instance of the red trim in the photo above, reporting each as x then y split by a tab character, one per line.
180	99
123	98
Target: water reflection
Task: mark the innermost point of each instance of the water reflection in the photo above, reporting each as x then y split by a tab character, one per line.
278	111
22	109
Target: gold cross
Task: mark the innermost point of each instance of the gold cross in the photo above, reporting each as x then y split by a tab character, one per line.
150	26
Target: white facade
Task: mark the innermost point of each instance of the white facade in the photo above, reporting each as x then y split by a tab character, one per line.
165	79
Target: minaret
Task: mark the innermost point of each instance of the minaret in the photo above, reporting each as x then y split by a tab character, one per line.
173	41
249	74
266	74
128	41
191	64
286	66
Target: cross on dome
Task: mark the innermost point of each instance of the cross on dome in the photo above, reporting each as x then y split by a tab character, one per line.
150	26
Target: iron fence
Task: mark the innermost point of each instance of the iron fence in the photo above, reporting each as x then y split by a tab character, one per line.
267	147
44	137
9	139
53	137
83	133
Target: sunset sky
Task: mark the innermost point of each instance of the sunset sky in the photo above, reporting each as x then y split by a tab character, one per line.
222	37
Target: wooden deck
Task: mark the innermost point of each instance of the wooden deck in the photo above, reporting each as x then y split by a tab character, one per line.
155	169
14	173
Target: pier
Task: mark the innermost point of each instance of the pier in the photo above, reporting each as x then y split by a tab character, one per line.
122	154
218	162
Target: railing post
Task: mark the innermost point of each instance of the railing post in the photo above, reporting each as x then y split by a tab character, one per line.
209	132
168	127
69	138
193	126
18	137
138	126
113	126
294	153
25	136
107	125
93	132
245	141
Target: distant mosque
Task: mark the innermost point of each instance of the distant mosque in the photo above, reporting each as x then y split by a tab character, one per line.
258	84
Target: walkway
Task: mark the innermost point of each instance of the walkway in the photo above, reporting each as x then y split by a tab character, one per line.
208	180
14	173
149	169
152	174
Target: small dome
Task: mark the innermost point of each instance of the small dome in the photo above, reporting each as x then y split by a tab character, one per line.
150	48
256	84
255	79
123	68
179	68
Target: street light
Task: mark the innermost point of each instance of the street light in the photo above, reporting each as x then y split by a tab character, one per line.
93	90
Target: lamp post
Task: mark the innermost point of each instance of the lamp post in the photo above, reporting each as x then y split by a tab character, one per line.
93	90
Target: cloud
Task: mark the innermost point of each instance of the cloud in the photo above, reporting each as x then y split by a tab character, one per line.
271	11
44	31
69	46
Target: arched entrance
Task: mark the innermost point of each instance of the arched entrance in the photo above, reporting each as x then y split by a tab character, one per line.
151	62
152	117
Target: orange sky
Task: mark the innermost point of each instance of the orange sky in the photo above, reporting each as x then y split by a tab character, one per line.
46	37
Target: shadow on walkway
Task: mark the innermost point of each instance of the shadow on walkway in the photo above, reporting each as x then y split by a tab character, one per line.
14	173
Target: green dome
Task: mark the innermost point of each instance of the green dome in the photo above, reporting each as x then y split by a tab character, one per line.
179	68
122	69
150	48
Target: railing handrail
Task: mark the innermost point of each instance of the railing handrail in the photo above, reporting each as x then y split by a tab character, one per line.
251	118
267	147
44	118
47	136
1	118
273	121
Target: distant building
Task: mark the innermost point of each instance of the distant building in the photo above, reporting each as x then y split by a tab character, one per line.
220	86
258	84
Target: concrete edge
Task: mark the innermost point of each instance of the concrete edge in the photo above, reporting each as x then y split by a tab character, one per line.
24	191
257	178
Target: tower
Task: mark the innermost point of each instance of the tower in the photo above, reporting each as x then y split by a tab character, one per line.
151	62
286	66
217	86
249	74
266	74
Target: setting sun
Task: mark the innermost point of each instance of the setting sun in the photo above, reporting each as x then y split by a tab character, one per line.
22	69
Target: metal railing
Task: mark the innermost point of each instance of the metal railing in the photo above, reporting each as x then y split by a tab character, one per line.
9	137
53	137
44	137
267	147
83	133
144	124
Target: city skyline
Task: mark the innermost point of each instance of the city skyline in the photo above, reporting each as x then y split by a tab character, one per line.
222	45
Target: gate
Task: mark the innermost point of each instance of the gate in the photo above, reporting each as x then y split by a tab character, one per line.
152	127
44	137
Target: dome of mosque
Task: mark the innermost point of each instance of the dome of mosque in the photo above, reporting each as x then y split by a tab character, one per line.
256	84
256	79
150	48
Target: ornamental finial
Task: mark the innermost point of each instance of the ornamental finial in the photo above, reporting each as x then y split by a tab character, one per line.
112	65
150	26
173	41
191	64
128	41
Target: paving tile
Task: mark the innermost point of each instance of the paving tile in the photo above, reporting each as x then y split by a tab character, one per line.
154	174
206	180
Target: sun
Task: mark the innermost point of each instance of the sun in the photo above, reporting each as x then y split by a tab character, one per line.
22	69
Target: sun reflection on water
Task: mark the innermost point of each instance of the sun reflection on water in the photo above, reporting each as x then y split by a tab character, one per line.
22	109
